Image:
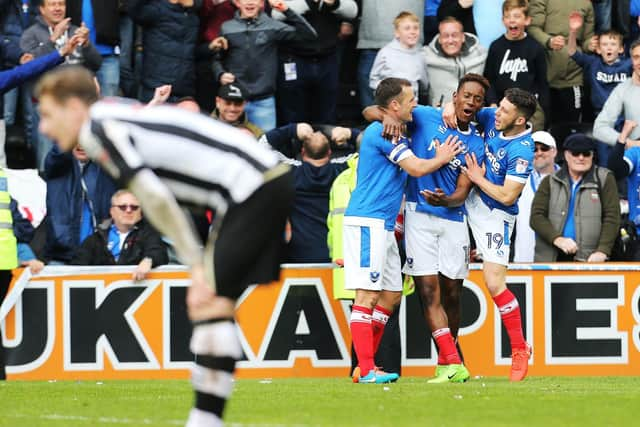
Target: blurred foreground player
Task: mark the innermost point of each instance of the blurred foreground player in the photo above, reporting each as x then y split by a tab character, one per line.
166	155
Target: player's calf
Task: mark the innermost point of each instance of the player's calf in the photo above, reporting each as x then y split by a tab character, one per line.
216	347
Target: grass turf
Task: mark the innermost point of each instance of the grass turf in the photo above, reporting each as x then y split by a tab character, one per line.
538	401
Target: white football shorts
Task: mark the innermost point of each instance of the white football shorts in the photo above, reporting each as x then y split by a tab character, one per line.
371	257
435	244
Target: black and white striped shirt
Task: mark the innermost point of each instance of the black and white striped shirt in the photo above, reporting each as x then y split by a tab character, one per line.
199	159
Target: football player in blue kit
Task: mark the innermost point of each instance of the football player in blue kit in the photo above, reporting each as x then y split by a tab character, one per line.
436	234
371	258
492	205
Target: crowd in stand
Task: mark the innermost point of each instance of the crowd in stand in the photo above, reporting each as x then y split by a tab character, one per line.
284	71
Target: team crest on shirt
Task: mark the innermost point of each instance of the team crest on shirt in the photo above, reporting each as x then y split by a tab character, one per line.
492	133
521	165
501	153
410	262
375	276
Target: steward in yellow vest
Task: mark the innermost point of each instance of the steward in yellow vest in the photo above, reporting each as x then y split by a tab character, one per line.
8	250
8	244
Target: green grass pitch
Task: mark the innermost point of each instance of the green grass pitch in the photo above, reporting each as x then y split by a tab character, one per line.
538	401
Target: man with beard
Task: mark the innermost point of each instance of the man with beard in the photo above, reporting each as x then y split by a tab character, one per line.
492	205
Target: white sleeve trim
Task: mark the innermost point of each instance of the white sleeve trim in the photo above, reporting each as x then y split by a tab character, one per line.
396	153
404	155
630	163
516	179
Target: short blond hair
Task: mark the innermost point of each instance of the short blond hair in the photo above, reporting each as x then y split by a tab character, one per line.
68	82
405	15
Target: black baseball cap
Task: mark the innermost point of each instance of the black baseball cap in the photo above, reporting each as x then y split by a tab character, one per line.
232	92
579	143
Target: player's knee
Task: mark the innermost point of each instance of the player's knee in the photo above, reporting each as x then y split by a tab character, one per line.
367	299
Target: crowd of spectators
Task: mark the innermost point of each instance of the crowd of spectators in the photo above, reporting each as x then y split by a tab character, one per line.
283	71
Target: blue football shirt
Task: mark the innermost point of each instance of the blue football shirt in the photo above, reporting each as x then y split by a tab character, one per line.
380	182
427	126
505	157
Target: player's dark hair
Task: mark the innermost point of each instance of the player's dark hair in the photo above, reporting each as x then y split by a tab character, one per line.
68	82
634	44
389	89
473	77
524	101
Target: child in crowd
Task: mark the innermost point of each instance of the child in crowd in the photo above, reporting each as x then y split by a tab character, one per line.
251	58
401	58
517	60
603	71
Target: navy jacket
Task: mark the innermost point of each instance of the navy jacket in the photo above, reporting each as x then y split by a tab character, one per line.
311	204
12	26
64	201
169	41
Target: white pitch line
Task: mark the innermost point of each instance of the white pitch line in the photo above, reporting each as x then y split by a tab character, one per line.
129	421
100	420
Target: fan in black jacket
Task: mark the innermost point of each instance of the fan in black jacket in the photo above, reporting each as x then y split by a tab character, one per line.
125	239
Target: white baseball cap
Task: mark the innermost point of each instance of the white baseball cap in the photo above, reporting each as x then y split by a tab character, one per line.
544	138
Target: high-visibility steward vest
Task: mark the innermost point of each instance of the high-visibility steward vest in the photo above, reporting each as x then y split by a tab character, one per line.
339	197
8	244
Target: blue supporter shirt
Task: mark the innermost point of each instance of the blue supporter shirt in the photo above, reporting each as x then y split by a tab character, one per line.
569	229
632	157
505	156
380	181
602	76
427	126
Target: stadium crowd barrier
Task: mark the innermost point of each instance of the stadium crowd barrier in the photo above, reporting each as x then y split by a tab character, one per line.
95	323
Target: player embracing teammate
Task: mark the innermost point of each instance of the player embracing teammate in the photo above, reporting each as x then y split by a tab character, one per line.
436	233
492	206
371	257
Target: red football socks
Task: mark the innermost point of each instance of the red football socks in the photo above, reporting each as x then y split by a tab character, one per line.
447	351
510	312
362	336
378	322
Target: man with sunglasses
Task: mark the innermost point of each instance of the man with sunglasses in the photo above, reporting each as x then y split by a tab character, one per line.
125	239
576	210
543	165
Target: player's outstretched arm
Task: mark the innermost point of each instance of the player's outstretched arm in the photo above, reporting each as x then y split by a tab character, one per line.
445	152
507	194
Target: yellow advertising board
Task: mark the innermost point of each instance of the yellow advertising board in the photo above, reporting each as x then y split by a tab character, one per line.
95	323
